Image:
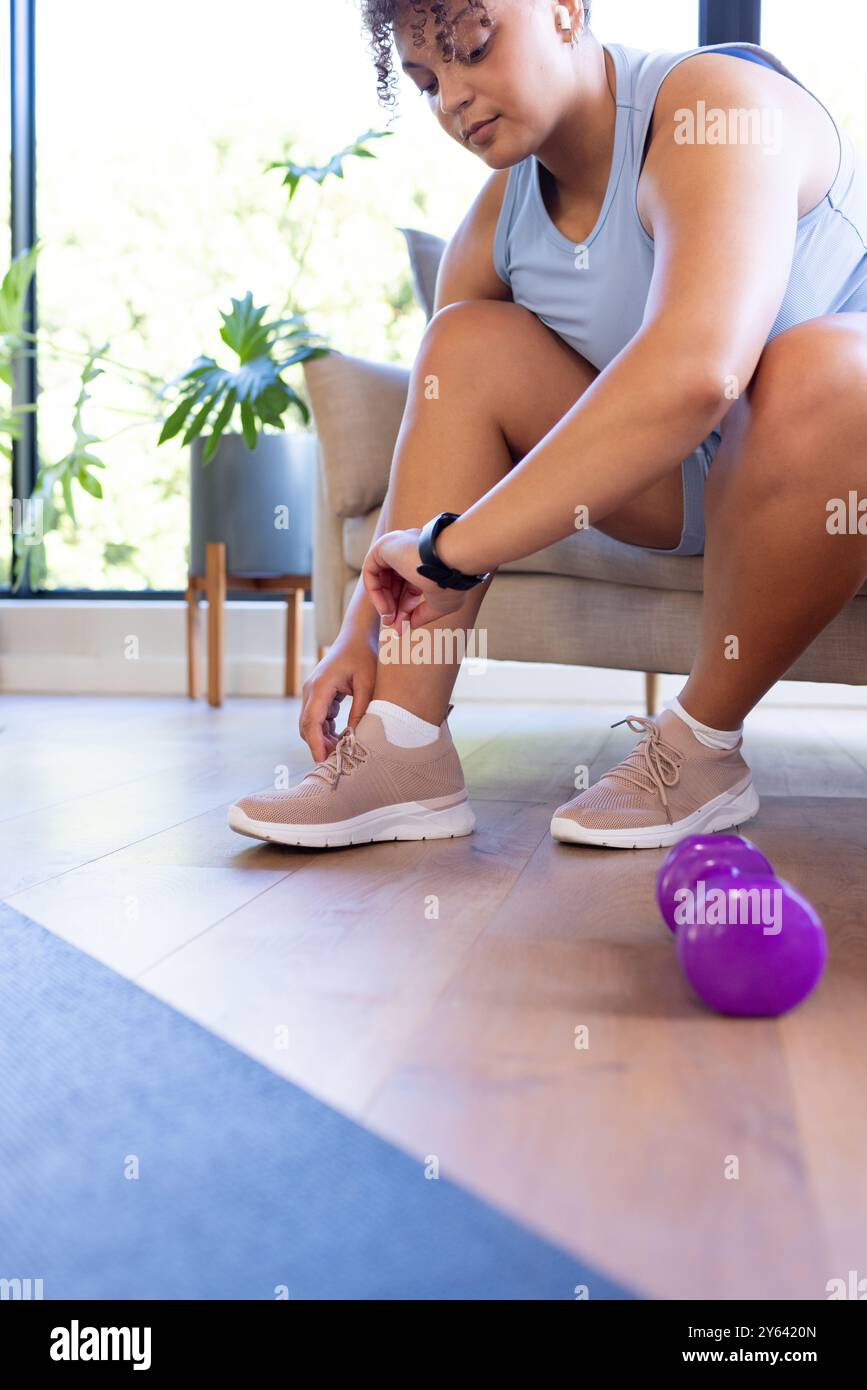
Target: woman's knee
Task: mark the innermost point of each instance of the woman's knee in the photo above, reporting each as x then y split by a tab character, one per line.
812	370
474	333
468	316
508	361
809	387
465	351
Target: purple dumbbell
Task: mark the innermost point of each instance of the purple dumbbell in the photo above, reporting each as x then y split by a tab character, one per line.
759	948
749	943
698	856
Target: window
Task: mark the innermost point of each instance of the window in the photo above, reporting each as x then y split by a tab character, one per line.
825	48
639	24
153	128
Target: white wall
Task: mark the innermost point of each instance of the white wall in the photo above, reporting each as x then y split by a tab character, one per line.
126	647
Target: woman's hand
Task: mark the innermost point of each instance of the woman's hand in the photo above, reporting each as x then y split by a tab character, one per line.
348	668
395	588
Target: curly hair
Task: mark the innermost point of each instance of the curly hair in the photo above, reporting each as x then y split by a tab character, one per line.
379	16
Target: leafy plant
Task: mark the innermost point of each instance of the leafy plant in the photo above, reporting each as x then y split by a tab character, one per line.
53	494
211	393
319	172
13	296
75	467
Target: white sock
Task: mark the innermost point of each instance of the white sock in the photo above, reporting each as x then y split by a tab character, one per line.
711	738
401	726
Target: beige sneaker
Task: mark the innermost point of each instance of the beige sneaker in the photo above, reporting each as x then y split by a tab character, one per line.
366	789
670	786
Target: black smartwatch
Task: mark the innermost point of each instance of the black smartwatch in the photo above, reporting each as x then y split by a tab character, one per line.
432	566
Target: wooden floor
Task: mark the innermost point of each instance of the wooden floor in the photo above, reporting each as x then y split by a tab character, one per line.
454	1035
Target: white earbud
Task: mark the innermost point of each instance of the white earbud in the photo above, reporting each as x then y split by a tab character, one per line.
564	21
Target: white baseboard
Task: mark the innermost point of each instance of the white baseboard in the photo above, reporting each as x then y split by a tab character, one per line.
125	647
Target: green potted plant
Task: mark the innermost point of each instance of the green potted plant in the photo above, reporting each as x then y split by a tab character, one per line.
262	507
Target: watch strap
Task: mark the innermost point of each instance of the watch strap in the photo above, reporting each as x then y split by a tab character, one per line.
432	567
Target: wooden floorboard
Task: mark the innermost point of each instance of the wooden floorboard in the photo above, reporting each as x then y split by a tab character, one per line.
433	990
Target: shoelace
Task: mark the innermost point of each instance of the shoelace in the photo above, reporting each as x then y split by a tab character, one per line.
657	763
347	754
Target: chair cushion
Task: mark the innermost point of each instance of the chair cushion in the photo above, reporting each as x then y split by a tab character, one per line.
589	554
357	409
425	254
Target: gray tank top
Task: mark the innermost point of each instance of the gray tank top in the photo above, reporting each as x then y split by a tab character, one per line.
593	294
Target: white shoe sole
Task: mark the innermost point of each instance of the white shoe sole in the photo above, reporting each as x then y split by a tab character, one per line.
731	808
407	821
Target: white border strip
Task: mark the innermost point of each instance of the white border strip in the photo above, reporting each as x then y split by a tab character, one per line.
120	647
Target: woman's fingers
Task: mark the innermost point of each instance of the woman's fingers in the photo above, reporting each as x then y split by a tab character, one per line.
407	603
322	709
380	582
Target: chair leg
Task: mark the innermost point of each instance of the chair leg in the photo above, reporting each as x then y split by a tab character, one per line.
651	692
294	625
215	572
192	597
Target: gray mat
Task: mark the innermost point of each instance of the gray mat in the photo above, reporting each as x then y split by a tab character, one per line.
246	1186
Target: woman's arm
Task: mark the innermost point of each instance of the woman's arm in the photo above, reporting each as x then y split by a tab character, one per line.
723	218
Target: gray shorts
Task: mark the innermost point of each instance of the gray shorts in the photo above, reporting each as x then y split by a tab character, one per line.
693	471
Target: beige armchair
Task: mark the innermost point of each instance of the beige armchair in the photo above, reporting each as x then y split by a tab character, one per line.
585	601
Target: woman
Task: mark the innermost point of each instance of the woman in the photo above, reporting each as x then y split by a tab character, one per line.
663	284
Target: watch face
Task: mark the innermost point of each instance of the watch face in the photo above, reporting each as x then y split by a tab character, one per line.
433	567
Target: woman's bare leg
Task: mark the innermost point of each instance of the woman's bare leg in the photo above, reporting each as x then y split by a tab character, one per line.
488	382
774	576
